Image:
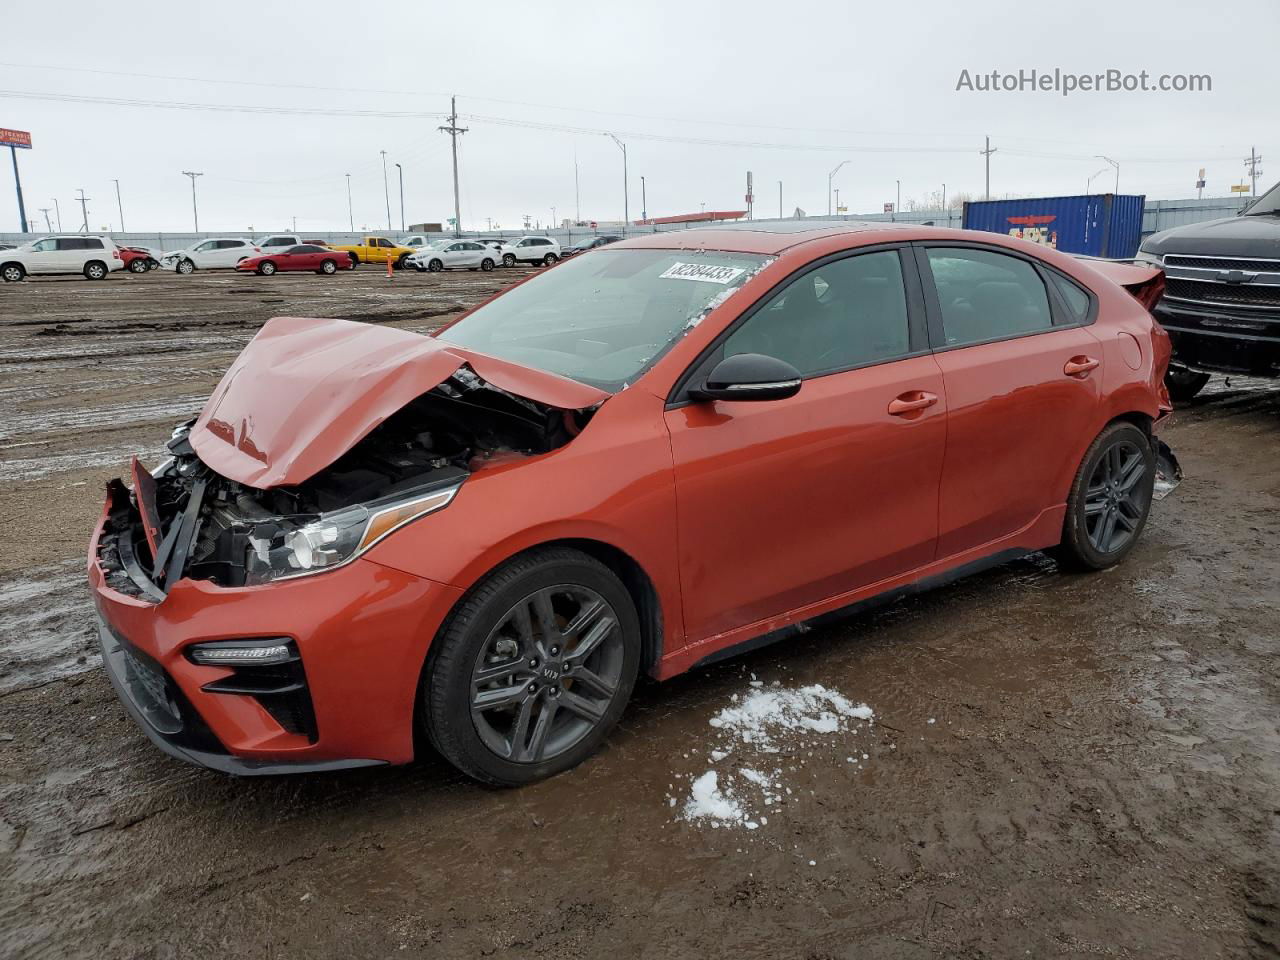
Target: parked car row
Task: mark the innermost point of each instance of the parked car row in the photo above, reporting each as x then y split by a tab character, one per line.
98	256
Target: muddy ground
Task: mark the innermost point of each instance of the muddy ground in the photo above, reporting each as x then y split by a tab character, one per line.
1059	764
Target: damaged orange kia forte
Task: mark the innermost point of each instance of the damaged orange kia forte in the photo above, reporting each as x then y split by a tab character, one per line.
636	462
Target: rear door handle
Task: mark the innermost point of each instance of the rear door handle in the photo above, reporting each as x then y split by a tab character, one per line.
1079	367
911	402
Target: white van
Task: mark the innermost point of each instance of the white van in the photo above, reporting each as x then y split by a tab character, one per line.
95	257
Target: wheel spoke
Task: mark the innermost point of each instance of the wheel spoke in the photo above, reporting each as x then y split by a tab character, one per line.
1106	530
584	618
588	644
537	745
542	610
520	729
1094	507
597	684
499	671
499	697
1123	519
1134	471
587	709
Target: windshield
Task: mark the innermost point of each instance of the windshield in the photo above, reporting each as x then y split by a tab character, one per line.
1268	203
605	319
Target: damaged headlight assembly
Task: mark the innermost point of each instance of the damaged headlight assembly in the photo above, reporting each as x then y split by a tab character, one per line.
285	547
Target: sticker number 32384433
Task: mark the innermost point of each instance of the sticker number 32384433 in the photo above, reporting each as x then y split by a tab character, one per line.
706	272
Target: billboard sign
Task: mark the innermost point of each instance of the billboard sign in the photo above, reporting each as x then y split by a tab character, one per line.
15	138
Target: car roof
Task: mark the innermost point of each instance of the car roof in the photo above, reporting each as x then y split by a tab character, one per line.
775	238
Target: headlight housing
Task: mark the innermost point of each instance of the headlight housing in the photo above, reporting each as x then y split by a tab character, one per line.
1155	259
286	547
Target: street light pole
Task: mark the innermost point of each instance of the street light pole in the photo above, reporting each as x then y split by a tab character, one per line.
351	218
897	203
120	206
626	192
1114	164
644	200
830	177
386	190
195	213
779	199
400	171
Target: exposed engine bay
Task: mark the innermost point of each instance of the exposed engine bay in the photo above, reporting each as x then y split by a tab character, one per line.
184	520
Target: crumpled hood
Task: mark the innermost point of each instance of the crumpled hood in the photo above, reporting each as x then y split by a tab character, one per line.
305	391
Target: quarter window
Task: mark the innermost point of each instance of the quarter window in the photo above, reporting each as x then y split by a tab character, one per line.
987	296
1076	300
844	314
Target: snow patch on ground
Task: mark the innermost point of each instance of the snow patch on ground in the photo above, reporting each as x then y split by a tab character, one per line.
764	729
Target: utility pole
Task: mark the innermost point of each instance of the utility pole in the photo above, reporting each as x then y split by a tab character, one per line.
897	204
47	226
987	152
351	218
453	130
84	228
1114	164
577	199
386	191
17	182
57	213
120	206
1251	162
400	170
944	199
830	177
779	199
195	212
644	200
626	192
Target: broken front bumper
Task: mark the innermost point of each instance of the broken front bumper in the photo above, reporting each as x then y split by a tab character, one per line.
361	634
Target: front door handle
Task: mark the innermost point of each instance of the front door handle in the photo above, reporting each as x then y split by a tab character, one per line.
1079	367
912	402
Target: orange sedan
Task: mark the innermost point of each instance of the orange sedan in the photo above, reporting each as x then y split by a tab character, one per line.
638	461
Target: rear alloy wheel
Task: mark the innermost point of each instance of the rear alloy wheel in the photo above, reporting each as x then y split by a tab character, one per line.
12	272
549	260
95	270
186	267
266	268
1184	383
486	264
508	259
533	669
1110	499
138	265
328	267
435	266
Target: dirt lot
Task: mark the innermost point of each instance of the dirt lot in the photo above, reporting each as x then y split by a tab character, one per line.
1059	764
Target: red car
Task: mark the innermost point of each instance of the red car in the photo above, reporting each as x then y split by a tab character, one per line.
305	256
640	461
138	259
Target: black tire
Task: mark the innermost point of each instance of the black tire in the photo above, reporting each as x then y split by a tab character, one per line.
469	734
355	260
328	267
402	260
1183	384
95	270
138	265
435	266
508	259
266	268
486	264
186	267
12	272
549	260
1112	491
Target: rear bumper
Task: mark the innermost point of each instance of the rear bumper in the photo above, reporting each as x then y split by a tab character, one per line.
361	633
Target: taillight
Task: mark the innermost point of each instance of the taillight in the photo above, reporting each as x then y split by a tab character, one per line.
116	254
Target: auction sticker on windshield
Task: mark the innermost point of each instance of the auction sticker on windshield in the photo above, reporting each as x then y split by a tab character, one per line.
706	272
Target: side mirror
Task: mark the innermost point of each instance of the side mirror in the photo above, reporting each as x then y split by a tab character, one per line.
749	376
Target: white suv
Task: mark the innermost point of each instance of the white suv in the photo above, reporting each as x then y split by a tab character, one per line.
542	250
217	253
95	257
278	241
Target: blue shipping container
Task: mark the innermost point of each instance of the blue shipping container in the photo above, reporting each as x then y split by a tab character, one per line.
1099	225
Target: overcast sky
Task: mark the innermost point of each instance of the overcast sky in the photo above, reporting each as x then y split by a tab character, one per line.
785	90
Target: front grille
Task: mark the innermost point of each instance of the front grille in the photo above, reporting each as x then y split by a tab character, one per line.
1222	263
1258	295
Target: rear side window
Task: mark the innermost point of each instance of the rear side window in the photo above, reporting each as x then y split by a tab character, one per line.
92	243
71	243
844	314
230	244
987	296
1075	299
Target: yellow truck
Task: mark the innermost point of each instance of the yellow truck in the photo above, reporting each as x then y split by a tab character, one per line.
375	250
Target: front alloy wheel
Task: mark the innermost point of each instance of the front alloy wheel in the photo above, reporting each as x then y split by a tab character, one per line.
533	670
267	268
508	259
186	267
12	273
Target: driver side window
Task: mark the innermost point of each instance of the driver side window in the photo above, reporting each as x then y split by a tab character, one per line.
846	313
